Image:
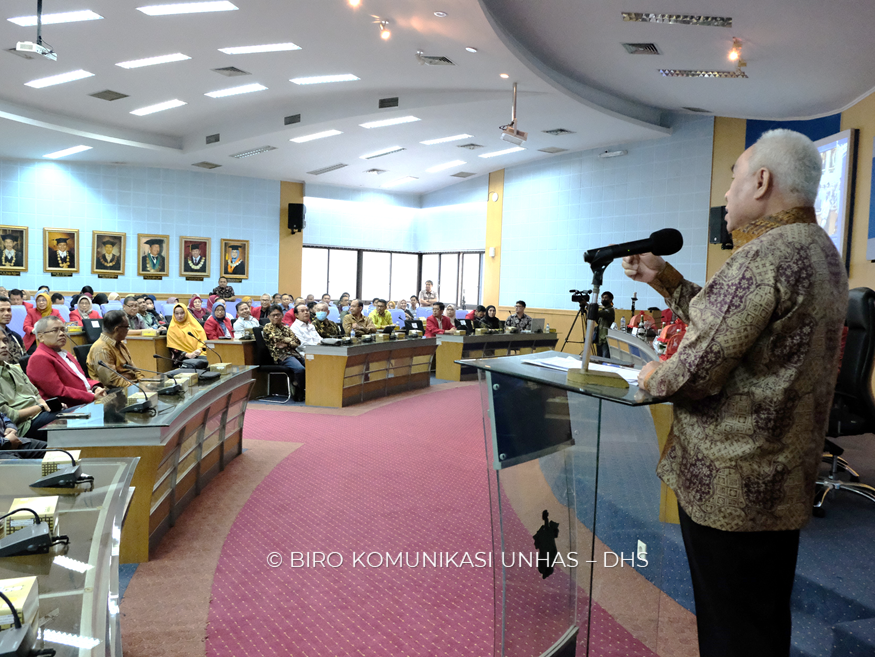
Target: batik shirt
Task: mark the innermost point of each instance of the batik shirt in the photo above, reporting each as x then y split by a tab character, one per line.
327	329
274	338
752	382
523	323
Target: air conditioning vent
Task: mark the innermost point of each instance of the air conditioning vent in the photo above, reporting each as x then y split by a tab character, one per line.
431	60
552	150
462	174
108	95
698	110
231	71
206	165
294	118
558	131
376	172
641	49
213	139
333	167
386	103
472	146
253	151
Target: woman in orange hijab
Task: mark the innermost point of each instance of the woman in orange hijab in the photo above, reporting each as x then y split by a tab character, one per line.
182	346
42	308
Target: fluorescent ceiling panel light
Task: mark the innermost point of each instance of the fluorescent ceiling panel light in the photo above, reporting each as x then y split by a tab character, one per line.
254	151
387	122
322	79
187	8
160	107
677	19
382	151
52	19
67	151
515	149
151	61
678	73
444	140
316	135
58	79
399	181
268	47
233	91
446	165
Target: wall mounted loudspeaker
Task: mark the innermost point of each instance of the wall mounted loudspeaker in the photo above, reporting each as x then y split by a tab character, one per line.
296	217
717	232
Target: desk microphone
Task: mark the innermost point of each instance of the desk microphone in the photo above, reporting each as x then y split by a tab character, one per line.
202	375
206	345
18	639
139	407
30	539
68	477
169	390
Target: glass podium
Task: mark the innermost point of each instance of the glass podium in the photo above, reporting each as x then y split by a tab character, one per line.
575	510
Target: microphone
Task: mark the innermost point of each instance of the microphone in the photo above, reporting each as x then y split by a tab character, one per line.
663	242
169	390
29	539
67	477
202	375
206	345
139	407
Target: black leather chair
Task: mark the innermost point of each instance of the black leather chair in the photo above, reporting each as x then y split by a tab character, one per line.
853	411
23	363
81	353
267	365
92	332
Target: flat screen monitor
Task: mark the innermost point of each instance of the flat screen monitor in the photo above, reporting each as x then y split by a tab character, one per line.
833	204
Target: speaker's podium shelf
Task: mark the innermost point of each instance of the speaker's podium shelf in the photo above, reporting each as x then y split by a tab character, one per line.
543	444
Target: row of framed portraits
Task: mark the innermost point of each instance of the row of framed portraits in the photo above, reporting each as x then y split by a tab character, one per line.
62	253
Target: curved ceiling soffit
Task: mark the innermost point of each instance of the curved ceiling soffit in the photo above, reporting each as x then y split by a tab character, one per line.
619	108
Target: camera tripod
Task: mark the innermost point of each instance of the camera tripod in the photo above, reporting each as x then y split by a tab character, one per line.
582	298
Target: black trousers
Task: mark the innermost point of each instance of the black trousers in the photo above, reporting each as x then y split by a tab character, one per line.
36	430
604	351
742	583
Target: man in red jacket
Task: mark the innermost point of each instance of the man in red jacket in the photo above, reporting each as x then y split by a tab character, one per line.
438	324
55	372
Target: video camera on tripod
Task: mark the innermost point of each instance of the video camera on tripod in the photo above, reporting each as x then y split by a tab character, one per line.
580	296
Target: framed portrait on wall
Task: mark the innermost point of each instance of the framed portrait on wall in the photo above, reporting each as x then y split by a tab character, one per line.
108	250
153	252
14	255
194	257
235	259
61	250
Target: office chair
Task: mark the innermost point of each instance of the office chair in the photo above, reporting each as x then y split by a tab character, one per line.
23	363
81	353
853	411
93	328
266	364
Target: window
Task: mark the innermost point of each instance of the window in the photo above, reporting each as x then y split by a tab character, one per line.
404	271
375	275
470	279
314	272
449	280
342	272
431	268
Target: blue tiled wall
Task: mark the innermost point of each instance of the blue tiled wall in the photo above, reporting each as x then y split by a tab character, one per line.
556	209
454	218
140	200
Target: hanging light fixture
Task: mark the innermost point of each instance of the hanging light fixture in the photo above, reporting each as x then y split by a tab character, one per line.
384	30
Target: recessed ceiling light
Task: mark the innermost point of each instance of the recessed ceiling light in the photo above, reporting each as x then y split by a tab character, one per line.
504	76
233	91
676	73
440	14
354	3
58	79
322	79
387	122
160	107
470	49
399	181
383	151
187	8
515	149
444	140
151	61
268	47
67	151
445	165
254	151
52	19
316	135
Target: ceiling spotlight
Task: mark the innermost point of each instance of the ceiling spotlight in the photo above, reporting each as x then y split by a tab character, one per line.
384	27
504	76
440	14
470	49
354	3
735	53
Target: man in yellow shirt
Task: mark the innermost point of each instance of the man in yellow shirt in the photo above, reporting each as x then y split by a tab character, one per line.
111	349
356	321
381	317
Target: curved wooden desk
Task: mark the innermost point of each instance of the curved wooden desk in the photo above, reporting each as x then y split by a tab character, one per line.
457	347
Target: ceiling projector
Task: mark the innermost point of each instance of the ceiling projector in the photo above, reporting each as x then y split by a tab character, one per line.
510	134
32	48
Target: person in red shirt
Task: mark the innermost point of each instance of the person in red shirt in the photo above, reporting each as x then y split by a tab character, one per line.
54	371
437	324
290	317
218	327
84	310
43	308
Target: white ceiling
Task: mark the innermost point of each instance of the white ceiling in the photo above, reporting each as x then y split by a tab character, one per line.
565	55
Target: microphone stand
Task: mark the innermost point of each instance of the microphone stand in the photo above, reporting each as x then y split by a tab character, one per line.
139	407
206	345
170	390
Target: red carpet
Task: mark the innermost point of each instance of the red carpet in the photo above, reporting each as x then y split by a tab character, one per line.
405	477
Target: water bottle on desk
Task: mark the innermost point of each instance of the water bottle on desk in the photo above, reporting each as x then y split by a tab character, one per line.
352	334
623	324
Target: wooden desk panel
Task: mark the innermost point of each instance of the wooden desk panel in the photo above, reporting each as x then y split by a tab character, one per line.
236	352
143	350
457	347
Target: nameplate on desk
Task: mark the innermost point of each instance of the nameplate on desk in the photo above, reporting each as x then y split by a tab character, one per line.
6	272
63	274
149	333
220	367
113	276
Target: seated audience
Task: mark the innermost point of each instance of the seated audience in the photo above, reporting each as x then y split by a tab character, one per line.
477	316
87	289
289	317
258	310
16	298
246	319
450	314
54	371
195	307
219	327
326	299
282	344
99	299
344	300
111	349
84	310
223	290
4	292
491	321
148	319
390	305
22	411
286	303
402	305
113	296
427	297
324	326
131	308
438	324
14	344
43	288
303	327
152	317
310	299
186	350
42	308
520	320
356	321
380	316
414	303
58	299
211	302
